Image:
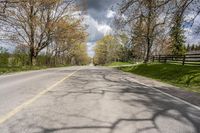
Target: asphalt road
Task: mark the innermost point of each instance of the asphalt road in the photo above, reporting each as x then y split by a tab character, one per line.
89	100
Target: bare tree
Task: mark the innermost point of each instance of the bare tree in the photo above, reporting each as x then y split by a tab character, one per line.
151	15
33	22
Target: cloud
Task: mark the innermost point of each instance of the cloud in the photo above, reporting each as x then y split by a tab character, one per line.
101	5
99	20
90	47
96	30
110	14
191	37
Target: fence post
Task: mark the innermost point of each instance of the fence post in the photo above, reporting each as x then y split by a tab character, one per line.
153	58
184	60
159	58
165	59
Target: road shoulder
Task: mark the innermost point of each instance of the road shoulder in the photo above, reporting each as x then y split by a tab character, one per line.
191	97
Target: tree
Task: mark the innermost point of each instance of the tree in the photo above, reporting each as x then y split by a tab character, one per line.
101	53
138	39
108	49
33	22
4	57
177	32
20	55
156	26
70	34
192	47
188	47
79	55
4	4
148	14
178	38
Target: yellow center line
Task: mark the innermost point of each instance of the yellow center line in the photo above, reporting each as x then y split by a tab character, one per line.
30	101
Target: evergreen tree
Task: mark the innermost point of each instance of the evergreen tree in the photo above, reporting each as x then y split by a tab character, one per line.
188	47
177	37
193	47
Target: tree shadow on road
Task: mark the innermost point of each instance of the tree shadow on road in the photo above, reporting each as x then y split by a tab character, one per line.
158	105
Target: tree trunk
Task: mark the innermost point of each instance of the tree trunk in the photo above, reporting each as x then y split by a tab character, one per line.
147	56
34	61
146	60
149	31
33	57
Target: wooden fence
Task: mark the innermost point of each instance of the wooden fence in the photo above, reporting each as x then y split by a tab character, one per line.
184	59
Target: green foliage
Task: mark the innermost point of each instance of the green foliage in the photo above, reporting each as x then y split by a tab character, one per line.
119	64
110	49
139	43
4	57
19	61
80	54
178	38
187	77
20	56
101	50
9	69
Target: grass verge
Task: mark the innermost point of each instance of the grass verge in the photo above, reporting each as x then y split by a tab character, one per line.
186	77
10	69
118	64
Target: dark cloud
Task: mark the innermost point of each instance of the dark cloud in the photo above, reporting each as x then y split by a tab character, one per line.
97	4
98	20
97	9
100	5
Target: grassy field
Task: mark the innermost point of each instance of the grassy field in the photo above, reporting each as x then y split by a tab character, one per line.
118	64
186	77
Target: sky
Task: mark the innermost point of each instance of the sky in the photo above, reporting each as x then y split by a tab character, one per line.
99	19
192	38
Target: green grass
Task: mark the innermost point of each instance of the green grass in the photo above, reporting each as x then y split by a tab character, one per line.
10	69
118	64
186	77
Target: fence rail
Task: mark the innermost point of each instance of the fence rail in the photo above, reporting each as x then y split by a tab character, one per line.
184	59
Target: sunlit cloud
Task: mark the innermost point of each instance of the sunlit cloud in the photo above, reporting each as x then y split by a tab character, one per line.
110	14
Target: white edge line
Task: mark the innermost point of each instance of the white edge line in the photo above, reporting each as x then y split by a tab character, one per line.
169	95
28	102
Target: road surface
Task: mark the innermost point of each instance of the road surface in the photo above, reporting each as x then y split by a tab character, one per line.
89	100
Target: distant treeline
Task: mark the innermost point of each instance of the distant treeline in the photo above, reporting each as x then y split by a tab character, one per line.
193	47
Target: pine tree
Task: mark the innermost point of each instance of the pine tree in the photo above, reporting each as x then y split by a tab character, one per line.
193	47
178	38
188	47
